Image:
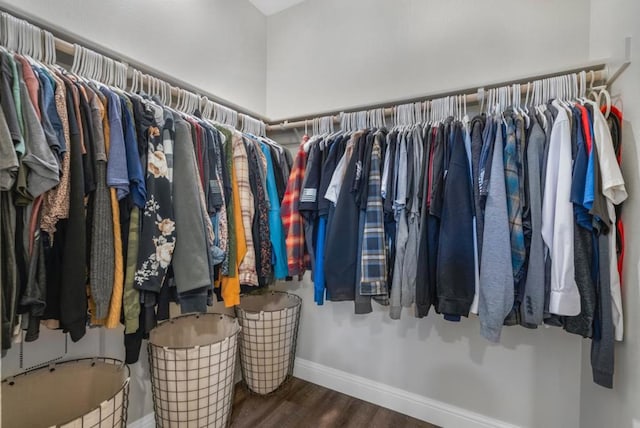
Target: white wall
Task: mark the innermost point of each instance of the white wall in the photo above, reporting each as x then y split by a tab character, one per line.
611	21
216	45
532	379
333	54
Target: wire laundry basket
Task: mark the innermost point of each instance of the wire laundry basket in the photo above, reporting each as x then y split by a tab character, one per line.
192	359
268	339
83	393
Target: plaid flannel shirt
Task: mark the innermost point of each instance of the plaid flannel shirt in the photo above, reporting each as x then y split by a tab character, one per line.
373	280
297	258
512	168
247	268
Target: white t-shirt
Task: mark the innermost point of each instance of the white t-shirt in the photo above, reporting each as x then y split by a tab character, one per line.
614	190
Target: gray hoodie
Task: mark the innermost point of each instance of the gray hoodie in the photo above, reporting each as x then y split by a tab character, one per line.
532	307
496	271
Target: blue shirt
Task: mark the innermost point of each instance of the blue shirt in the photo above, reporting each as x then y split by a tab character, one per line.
276	231
117	174
48	92
137	185
589	188
578	183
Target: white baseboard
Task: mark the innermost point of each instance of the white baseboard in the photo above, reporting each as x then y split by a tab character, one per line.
408	403
147	421
414	405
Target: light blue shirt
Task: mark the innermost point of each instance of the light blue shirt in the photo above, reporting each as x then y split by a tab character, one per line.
276	231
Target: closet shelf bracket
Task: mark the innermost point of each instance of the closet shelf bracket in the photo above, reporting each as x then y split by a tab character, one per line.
616	68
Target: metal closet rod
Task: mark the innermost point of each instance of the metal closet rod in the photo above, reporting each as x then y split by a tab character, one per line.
471	94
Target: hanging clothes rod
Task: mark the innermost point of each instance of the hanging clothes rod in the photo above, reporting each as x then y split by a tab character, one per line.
64	43
472	95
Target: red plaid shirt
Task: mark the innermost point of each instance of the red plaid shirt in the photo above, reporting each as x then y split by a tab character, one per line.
297	257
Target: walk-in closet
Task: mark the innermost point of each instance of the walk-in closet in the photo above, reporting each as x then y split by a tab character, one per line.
319	213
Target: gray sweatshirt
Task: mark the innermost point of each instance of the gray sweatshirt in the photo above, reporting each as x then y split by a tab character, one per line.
532	307
402	236
43	171
602	348
496	271
190	257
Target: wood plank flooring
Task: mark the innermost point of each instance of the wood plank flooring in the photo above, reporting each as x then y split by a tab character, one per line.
300	404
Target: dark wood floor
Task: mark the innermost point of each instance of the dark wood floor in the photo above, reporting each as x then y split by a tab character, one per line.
299	404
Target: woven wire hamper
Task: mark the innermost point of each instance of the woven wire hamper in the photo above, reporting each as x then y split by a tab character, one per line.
83	393
192	359
268	339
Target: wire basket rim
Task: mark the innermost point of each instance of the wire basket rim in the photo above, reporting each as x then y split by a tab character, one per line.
108	360
196	315
298	299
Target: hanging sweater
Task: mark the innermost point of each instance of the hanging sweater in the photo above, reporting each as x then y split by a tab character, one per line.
190	257
532	309
496	269
73	297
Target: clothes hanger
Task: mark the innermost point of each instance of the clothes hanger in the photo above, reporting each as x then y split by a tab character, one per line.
486	95
568	93
178	99
540	105
582	91
572	83
607	100
20	37
343	122
490	101
592	93
31	51
13	34
525	107
503	103
206	109
162	90
134	82
50	48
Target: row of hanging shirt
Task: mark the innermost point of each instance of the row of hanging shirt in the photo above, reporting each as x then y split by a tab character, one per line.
113	204
513	215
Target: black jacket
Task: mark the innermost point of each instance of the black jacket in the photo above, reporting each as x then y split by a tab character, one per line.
455	274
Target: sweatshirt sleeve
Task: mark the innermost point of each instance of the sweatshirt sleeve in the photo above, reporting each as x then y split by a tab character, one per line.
496	271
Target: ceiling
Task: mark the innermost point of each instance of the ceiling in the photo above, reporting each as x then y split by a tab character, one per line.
271	7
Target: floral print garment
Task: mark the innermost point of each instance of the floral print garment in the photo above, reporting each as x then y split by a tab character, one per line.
158	231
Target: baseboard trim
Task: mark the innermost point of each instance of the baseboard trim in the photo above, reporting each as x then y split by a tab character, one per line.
408	403
147	421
